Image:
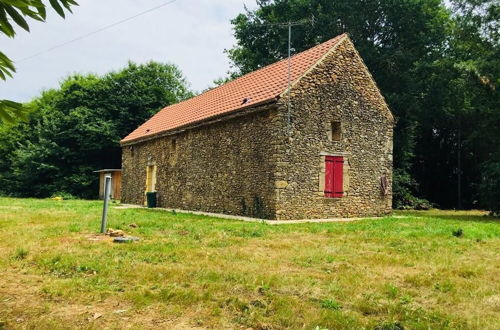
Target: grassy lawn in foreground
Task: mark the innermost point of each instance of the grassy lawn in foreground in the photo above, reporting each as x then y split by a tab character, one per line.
199	272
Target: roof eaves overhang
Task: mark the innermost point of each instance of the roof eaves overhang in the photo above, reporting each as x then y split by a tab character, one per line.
205	121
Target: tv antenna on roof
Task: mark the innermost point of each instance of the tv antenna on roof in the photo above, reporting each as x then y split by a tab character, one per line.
289	25
289	102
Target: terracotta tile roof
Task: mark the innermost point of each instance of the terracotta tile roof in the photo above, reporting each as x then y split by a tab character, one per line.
257	87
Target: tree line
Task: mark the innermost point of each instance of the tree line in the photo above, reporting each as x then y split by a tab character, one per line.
76	129
436	64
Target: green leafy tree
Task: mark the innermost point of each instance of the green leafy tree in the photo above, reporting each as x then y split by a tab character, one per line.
458	136
76	129
15	13
490	186
477	52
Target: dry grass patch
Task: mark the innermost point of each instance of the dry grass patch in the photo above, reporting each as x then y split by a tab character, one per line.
200	272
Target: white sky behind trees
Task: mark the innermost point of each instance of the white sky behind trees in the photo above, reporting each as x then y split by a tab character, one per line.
189	33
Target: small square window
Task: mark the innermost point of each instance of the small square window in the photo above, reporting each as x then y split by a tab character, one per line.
336	130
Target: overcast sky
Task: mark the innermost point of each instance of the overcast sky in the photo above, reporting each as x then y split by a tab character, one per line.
190	33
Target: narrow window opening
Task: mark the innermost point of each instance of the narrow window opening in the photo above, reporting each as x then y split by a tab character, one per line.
336	130
174	144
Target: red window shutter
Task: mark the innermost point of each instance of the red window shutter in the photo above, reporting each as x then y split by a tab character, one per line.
334	172
338	177
329	165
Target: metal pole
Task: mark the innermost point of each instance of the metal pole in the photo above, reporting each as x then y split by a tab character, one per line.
459	165
107	191
288	119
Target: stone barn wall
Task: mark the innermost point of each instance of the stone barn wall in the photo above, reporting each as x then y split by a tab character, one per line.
224	167
339	89
261	164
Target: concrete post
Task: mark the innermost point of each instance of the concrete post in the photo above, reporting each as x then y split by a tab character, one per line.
107	192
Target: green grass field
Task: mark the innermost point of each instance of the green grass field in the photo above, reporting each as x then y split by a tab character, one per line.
188	272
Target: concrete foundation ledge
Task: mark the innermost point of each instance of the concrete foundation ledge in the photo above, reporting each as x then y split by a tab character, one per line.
249	219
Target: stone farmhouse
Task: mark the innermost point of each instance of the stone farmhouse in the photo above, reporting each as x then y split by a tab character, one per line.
309	141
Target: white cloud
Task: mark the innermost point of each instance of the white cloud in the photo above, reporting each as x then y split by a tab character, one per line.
190	33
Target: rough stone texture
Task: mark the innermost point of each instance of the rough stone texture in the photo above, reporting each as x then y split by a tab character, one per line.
261	165
225	167
338	89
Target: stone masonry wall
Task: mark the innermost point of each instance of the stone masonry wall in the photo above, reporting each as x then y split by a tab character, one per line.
224	167
262	165
339	89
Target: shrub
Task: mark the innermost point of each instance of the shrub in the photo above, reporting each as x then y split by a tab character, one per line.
489	189
404	188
